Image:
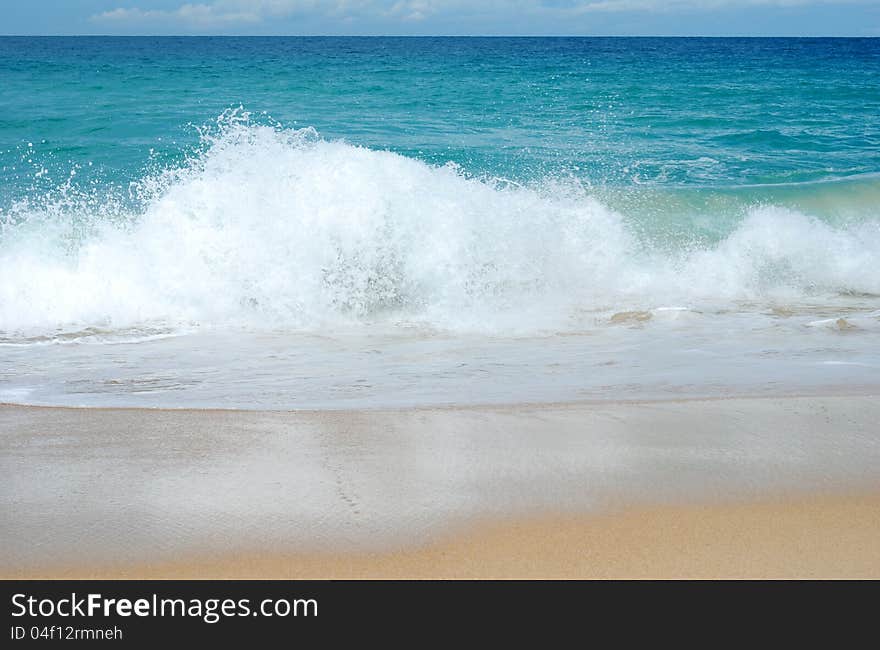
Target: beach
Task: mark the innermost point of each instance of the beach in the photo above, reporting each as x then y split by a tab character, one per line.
815	538
439	307
737	488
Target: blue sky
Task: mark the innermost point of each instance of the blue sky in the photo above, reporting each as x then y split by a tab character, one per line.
466	17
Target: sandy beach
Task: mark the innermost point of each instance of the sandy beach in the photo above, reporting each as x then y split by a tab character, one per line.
440	290
815	538
745	487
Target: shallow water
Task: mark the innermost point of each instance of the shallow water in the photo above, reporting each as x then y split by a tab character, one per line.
673	354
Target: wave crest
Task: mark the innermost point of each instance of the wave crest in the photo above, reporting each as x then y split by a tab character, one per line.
271	227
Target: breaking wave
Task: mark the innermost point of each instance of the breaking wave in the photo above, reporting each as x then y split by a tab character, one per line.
279	228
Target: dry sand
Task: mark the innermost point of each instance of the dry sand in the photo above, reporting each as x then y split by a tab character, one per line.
700	488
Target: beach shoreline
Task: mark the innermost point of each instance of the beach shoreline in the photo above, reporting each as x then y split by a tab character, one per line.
734	487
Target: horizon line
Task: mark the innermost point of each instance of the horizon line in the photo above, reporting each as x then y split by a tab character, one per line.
719	36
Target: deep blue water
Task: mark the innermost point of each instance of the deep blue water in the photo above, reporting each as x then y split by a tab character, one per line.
664	111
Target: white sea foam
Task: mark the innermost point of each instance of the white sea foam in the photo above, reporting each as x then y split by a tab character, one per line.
272	228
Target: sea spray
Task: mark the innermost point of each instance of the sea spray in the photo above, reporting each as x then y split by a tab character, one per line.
271	227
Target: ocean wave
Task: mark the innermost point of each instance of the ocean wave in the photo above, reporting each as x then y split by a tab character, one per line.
272	227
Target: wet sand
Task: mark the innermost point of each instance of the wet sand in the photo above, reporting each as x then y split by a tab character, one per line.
694	488
817	538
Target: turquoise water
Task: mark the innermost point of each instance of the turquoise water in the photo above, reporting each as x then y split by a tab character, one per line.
715	112
692	213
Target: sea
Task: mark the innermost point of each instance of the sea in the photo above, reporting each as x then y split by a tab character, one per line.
333	223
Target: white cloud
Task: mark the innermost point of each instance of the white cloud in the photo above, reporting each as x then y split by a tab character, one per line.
414	10
202	16
208	15
674	5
